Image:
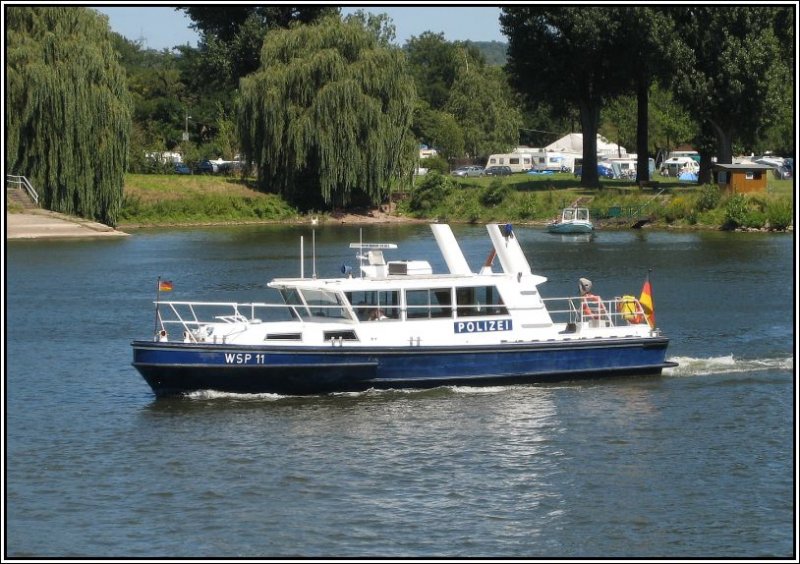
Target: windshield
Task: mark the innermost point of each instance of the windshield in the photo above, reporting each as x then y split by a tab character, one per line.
315	303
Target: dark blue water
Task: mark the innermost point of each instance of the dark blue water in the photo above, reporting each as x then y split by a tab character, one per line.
696	463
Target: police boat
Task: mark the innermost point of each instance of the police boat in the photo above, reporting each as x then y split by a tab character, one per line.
397	324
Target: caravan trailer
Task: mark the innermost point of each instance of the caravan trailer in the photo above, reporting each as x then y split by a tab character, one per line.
554	160
519	162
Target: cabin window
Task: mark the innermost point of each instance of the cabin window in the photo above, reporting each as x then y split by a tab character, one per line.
481	300
513	161
283	337
428	303
722	177
526	160
291	297
492	161
318	303
502	160
753	175
371	305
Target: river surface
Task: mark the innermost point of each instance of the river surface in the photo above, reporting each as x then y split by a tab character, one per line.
698	462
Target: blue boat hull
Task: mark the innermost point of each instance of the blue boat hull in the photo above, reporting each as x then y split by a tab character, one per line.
176	368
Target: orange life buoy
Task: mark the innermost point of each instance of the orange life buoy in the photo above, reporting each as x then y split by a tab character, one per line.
593	306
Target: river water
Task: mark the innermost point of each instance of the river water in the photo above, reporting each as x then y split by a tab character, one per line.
698	462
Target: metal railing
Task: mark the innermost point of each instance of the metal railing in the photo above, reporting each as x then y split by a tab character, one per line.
22	183
614	312
193	318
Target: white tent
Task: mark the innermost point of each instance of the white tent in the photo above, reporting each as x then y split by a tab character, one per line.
573	143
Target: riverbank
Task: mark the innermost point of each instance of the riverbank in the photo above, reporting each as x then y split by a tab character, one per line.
199	200
43	224
168	201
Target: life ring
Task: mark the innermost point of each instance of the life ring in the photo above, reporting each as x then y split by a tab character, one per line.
627	307
590	300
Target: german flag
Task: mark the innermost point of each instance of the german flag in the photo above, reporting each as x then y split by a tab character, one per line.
646	299
165	285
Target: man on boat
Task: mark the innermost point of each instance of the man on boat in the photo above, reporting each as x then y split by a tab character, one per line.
593	308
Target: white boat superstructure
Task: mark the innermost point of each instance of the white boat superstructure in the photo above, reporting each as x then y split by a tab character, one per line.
404	303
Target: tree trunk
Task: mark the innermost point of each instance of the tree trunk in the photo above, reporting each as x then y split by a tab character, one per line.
724	153
642	156
724	150
590	117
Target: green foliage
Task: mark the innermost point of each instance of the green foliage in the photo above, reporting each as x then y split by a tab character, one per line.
733	82
436	163
211	208
232	35
68	114
327	114
494	194
741	212
709	197
779	213
465	107
432	190
482	104
561	56
438	129
205	208
436	64
494	52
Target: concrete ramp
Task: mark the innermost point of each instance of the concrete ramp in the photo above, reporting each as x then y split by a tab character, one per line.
50	225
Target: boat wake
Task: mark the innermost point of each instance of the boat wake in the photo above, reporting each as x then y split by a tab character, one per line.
689	366
215	395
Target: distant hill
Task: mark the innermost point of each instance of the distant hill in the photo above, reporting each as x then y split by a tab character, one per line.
493	51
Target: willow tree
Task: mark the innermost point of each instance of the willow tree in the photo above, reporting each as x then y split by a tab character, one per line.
326	117
68	115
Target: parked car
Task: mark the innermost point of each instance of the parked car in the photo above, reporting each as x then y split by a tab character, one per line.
497	170
206	167
468	171
181	168
231	167
783	172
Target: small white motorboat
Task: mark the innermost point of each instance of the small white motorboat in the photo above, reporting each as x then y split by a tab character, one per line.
572	220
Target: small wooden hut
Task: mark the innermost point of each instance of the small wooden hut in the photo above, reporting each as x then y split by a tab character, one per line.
741	178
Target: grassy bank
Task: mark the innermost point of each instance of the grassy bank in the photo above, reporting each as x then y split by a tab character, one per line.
539	199
152	199
200	199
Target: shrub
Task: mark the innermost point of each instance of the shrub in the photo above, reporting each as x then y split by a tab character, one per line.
709	197
495	193
779	214
433	189
741	212
435	164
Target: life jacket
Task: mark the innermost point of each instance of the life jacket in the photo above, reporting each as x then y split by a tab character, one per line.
593	306
629	310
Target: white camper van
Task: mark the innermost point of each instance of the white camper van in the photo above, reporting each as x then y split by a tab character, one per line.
519	162
554	160
675	165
